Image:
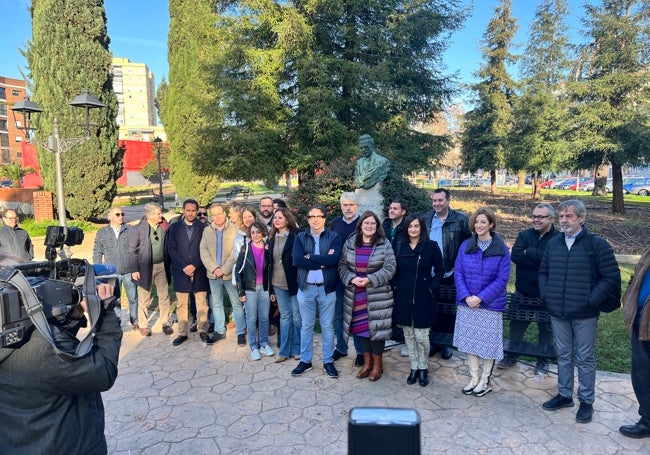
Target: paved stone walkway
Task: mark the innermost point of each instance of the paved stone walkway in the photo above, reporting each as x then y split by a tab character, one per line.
212	399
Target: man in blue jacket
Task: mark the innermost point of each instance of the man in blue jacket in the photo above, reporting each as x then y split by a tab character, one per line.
316	254
578	272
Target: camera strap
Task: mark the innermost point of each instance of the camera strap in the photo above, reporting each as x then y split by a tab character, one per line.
34	309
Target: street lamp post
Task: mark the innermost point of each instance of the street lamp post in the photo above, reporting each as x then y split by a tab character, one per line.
158	145
30	112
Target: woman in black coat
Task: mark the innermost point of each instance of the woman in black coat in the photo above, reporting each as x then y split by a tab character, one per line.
419	271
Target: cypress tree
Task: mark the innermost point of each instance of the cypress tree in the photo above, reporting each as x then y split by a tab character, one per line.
182	99
68	55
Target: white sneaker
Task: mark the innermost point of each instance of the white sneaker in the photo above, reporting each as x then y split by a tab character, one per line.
404	352
267	350
255	354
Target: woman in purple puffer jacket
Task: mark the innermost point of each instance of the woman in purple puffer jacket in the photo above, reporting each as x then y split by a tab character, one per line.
481	273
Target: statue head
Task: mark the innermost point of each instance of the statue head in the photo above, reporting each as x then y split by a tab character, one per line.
367	145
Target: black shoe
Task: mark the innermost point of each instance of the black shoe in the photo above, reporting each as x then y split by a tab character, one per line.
358	362
413	377
585	412
330	370
424	378
447	352
241	340
433	349
179	340
216	336
558	402
541	368
506	363
301	368
338	354
193	328
211	328
637	431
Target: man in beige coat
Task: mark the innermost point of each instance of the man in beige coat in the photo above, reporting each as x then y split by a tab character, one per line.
216	255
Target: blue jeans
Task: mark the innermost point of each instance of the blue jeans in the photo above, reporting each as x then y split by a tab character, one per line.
131	291
257	309
581	335
312	298
216	304
341	345
290	323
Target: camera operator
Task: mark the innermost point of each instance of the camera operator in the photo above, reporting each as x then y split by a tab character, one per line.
51	404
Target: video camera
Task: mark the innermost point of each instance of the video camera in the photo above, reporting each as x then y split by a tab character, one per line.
47	295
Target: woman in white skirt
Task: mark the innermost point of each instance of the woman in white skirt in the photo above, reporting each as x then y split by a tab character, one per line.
481	274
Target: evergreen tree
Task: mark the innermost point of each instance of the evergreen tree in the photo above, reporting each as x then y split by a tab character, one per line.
609	115
294	83
68	55
535	142
488	125
180	100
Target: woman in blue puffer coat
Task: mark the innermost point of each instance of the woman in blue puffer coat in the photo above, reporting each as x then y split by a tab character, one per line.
481	274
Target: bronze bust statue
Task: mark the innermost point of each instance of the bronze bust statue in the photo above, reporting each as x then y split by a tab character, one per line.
372	168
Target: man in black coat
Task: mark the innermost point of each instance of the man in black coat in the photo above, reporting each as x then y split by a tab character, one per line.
578	272
188	272
449	229
527	253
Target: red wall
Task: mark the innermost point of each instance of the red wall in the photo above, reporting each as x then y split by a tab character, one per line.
136	155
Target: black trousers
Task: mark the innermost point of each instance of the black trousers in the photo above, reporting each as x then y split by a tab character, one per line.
376	347
641	374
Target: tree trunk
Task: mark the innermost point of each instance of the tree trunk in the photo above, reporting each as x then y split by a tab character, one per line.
618	204
536	182
521	180
600	181
493	181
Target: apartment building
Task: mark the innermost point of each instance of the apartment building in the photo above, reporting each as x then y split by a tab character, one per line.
134	87
11	90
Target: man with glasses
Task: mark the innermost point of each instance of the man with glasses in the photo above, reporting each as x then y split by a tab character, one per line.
316	254
13	239
112	247
216	251
527	253
147	264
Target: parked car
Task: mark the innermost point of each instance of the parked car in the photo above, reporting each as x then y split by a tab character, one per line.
629	182
547	183
641	190
6	183
590	186
583	182
560	181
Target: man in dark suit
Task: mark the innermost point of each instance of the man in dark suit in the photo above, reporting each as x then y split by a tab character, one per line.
188	272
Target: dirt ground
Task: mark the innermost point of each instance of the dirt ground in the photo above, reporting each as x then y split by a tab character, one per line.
628	234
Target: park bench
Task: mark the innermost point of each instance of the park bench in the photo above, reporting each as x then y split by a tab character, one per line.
238	191
519	308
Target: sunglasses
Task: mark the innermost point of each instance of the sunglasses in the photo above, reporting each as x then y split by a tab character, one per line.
118	214
202	214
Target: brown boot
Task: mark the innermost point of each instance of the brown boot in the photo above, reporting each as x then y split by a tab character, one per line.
367	366
378	367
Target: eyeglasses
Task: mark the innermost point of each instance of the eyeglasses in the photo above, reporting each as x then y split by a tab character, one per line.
202	214
315	216
10	217
118	214
540	217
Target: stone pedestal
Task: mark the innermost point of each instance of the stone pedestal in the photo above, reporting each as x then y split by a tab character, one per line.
371	199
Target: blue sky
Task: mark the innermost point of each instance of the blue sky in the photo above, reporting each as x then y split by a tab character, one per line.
138	31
